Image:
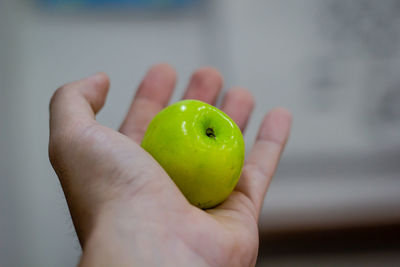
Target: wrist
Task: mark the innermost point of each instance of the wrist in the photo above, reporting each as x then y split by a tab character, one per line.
120	239
110	242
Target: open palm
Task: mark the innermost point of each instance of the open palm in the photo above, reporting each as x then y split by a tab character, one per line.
125	208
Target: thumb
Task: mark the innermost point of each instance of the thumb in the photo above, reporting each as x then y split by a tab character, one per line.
75	104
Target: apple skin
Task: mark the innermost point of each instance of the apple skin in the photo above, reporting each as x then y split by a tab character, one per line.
200	148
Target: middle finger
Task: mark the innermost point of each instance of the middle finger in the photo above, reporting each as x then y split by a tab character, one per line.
205	85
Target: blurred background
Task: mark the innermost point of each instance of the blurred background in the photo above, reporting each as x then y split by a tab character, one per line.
335	64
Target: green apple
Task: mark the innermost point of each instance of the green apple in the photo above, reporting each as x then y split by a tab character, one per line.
200	148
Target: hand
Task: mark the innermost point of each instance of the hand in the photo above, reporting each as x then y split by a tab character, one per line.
125	208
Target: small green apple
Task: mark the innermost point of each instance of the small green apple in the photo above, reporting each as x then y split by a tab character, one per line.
201	149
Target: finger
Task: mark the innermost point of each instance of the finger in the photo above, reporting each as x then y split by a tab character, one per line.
75	104
205	85
261	164
152	95
238	103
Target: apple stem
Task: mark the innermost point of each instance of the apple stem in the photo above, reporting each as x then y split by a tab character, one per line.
210	133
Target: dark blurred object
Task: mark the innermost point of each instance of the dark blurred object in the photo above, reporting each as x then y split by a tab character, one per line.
369	245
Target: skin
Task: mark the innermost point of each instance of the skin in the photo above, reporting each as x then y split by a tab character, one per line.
125	208
205	167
